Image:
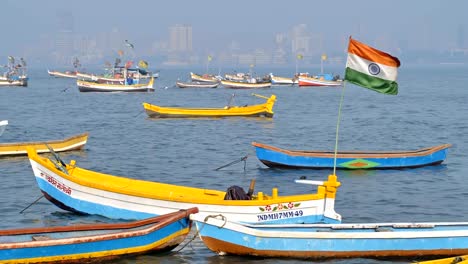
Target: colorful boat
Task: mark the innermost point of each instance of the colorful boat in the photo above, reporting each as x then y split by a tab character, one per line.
245	85
318	159
15	74
203	78
67	144
321	241
3	125
94	242
318	80
79	190
89	86
66	74
260	110
276	80
197	84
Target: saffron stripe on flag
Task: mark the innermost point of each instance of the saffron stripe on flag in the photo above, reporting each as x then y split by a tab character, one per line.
362	65
371	54
370	82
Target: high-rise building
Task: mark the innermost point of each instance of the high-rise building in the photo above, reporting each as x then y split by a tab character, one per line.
180	38
300	40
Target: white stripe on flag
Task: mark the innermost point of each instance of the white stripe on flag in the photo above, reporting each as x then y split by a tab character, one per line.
362	65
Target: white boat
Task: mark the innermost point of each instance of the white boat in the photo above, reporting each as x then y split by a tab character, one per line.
3	124
66	74
276	80
89	86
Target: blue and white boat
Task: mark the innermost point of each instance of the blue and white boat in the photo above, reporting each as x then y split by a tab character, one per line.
3	124
318	159
322	241
94	242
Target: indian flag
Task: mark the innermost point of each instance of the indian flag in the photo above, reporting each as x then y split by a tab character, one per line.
371	68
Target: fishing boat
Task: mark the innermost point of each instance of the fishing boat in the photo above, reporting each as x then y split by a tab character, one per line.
204	77
3	125
318	159
325	241
319	80
245	85
20	148
85	191
95	242
276	80
59	74
128	86
452	260
259	110
197	84
14	82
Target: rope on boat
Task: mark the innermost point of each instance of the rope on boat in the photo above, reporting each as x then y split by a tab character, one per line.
31	204
244	159
203	225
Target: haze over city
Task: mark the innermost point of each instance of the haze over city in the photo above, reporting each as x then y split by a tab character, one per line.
184	33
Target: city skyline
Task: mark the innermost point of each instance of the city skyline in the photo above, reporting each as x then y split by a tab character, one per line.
256	36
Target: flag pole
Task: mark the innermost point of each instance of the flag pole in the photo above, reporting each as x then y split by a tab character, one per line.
337	128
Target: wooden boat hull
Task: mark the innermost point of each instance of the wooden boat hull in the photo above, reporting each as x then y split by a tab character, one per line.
261	110
322	241
62	74
197	84
85	86
244	85
315	159
94	242
310	81
20	148
89	192
203	78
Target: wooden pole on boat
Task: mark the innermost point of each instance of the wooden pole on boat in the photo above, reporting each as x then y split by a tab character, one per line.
338	128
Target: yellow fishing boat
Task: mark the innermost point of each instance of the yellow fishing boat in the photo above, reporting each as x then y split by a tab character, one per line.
452	260
20	148
260	110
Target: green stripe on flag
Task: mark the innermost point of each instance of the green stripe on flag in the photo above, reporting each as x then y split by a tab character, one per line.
373	83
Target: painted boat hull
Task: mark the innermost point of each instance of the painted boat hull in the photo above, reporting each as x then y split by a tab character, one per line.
94	242
85	86
261	110
89	192
62	74
244	85
315	241
20	148
203	78
197	84
276	157
310	81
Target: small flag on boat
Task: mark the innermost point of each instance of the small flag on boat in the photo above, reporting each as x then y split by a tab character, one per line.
371	68
299	56
324	57
143	64
210	58
128	44
128	64
120	52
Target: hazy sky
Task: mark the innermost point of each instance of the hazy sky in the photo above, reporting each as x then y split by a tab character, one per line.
252	23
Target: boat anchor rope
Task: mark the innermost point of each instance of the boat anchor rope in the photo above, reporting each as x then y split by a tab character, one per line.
244	159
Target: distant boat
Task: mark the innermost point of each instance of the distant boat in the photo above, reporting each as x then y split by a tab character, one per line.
260	110
20	148
89	86
197	84
66	74
319	80
245	85
276	80
14	82
203	77
319	159
3	124
97	242
15	74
